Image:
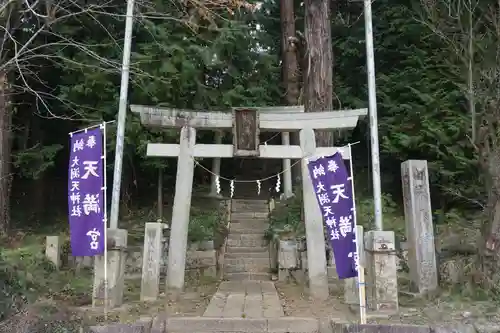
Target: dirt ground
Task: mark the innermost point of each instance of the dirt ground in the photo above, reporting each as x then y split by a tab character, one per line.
445	308
192	302
296	303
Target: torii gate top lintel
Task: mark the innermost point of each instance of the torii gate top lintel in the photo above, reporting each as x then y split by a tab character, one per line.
246	124
277	119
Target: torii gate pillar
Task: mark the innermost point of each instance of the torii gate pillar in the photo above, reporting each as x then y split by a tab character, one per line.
305	123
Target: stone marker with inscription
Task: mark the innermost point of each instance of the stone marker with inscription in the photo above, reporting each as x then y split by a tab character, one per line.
287	258
53	250
419	226
153	248
117	245
381	271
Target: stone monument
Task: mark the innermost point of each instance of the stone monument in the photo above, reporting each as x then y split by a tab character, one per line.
53	250
381	271
117	245
151	262
287	258
419	226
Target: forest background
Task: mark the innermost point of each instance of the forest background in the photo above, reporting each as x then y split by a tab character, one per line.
437	92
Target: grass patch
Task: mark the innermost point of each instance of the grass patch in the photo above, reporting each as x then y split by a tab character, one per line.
287	217
27	276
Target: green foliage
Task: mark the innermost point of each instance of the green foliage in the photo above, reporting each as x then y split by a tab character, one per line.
33	162
421	108
286	219
202	225
26	274
20	265
393	218
187	62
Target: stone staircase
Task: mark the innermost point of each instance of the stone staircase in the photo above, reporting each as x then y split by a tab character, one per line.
247	253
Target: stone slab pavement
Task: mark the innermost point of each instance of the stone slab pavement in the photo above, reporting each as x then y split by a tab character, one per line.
245	299
254	307
162	324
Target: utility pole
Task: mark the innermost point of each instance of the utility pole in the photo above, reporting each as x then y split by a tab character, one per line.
122	116
372	108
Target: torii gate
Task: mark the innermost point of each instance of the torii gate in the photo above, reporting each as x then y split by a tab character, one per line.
246	125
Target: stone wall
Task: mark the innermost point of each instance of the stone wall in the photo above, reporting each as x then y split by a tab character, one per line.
198	262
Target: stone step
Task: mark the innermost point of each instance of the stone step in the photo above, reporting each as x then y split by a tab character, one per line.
246	269
262	220
249	224
248	201
237	230
240	265
250	209
246	249
239	215
246	236
253	255
246	242
247	204
238	324
247	276
242	261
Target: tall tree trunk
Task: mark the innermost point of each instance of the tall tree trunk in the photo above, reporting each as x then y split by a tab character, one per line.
5	153
290	67
318	83
489	255
39	185
289	52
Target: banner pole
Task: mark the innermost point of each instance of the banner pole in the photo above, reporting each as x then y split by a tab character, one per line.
105	220
359	239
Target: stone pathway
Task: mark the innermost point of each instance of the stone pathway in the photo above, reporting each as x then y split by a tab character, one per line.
247	253
245	299
249	306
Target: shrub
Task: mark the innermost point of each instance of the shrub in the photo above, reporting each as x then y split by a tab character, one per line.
286	218
202	225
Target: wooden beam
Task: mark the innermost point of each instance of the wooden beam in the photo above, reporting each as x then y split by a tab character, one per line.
269	121
226	151
274	109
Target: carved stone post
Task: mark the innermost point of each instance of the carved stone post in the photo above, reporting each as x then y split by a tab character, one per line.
151	260
419	227
53	248
117	245
381	272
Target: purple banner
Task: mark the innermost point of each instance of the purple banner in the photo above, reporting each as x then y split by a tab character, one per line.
332	187
85	193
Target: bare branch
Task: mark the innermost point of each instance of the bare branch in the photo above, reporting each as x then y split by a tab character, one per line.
39	19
